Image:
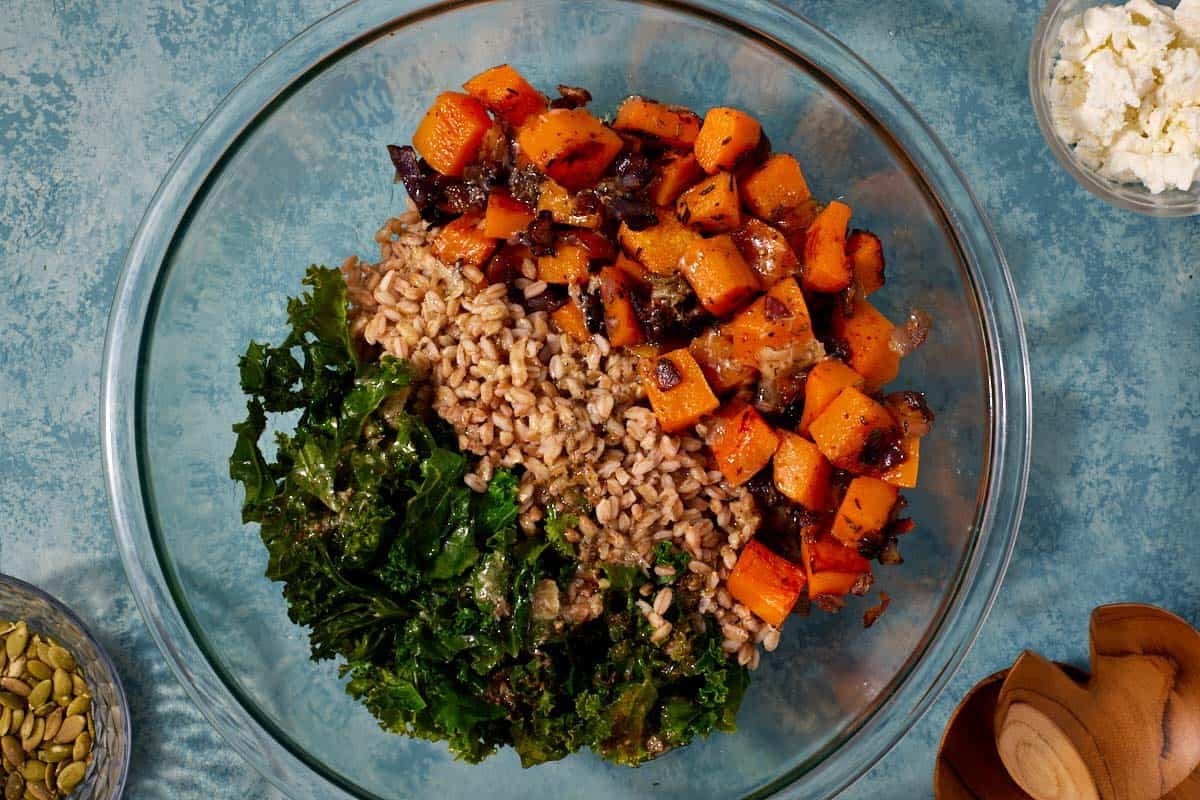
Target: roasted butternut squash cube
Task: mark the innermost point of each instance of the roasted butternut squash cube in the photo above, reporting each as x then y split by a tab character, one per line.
868	335
676	172
826	265
802	474
775	189
767	251
676	126
851	422
865	510
451	132
463	242
570	145
724	137
564	208
833	569
779	319
507	94
505	215
766	583
866	259
712	205
742	442
677	390
569	264
570	321
660	247
632	268
713	350
905	473
825	382
721	278
620	319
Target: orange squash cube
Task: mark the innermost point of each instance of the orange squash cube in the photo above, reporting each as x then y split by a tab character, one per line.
776	188
713	350
742	442
802	474
632	268
451	132
767	251
569	319
463	242
675	126
507	94
826	265
866	259
660	247
865	510
677	390
620	319
505	215
825	382
844	429
570	145
677	172
905	473
766	583
779	320
561	204
568	265
721	278
834	569
868	334
711	206
724	137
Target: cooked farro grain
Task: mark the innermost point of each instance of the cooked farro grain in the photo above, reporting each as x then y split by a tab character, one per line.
574	417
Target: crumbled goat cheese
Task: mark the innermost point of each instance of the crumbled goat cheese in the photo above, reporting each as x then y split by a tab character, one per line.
1125	92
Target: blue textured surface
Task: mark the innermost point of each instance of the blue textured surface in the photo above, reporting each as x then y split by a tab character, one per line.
97	98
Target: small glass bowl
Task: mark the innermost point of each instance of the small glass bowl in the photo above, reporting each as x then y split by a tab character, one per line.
105	779
1130	196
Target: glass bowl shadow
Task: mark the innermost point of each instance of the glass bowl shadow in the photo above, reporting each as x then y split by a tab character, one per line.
291	169
1043	54
105	778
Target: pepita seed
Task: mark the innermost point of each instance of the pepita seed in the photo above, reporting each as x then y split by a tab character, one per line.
27	726
48	778
78	684
14	645
83	747
40	693
30	743
53	722
12	750
59	658
38	669
18	719
55	753
80	705
16	686
5	720
38	792
3	658
14	787
70	776
33	770
11	701
62	686
16	667
70	729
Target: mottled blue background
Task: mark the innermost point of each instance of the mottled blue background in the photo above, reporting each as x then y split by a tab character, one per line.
97	97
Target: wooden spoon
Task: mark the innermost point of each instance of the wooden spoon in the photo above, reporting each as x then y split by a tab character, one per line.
1131	733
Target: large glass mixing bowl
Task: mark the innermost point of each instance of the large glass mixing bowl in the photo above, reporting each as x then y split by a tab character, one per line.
291	169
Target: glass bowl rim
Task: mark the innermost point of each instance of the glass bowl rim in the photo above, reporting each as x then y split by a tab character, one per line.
984	563
1043	52
125	732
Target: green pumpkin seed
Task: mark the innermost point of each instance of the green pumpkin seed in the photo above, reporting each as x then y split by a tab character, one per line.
55	753
53	722
80	705
5	720
14	645
18	719
14	787
62	686
70	729
16	667
38	669
12	701
16	686
33	770
59	658
3	657
48	778
37	791
12	751
82	748
70	776
27	726
29	743
78	684
40	693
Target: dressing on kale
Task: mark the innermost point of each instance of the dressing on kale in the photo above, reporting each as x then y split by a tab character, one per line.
424	589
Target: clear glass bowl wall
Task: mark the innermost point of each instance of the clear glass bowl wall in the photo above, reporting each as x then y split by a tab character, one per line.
292	170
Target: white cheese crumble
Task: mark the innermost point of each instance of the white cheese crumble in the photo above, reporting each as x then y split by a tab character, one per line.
1125	92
